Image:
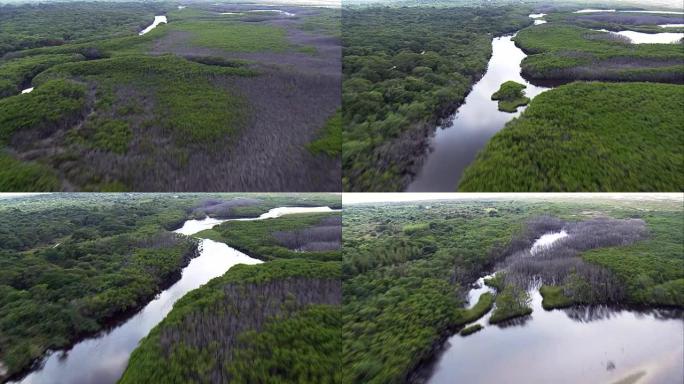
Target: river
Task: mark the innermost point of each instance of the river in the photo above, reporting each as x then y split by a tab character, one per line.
157	20
456	143
595	345
103	358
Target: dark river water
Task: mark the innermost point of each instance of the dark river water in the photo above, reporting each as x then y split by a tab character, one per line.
456	143
103	358
581	345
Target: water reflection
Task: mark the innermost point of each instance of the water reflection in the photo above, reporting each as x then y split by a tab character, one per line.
596	345
648	38
456	143
102	359
157	20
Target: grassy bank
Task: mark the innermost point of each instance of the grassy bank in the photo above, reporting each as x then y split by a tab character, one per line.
260	239
578	137
559	51
396	89
407	266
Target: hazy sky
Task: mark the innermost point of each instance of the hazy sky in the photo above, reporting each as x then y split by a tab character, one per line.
357	198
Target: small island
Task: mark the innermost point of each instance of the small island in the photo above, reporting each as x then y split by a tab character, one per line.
511	95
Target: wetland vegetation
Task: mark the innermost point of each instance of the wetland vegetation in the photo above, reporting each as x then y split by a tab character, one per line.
76	264
151	109
408	268
269	323
398	106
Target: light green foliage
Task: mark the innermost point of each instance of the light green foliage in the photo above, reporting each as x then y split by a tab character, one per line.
568	52
553	297
247	37
652	269
511	302
511	95
330	140
588	137
484	305
256	237
16	175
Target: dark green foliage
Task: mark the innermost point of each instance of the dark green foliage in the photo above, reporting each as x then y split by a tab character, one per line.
54	105
404	69
256	237
69	265
18	73
37	25
311	343
566	52
588	137
511	95
469	330
406	266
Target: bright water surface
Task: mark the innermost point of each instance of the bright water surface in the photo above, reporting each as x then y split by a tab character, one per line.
103	358
581	345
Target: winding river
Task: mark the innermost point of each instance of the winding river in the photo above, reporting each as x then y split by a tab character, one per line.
157	20
103	358
577	345
456	143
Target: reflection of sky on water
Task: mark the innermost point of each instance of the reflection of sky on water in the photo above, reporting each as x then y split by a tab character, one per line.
576	345
457	143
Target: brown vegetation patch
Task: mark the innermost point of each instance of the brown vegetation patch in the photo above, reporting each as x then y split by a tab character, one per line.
325	236
252	305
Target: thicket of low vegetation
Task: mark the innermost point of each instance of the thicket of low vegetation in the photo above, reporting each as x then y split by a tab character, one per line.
148	120
407	267
47	24
276	322
565	52
404	69
69	265
72	263
588	137
511	95
317	234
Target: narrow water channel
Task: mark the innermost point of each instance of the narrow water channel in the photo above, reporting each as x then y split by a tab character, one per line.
579	345
157	20
103	358
456	143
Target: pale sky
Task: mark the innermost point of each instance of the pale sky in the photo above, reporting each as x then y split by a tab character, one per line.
358	198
